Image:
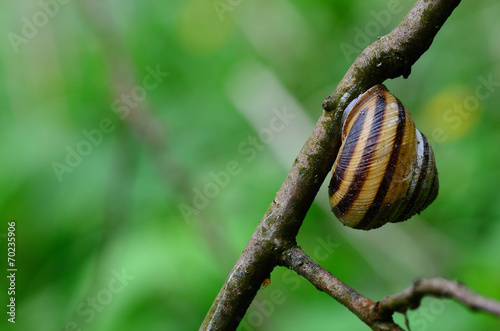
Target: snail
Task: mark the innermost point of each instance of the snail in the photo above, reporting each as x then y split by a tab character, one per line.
385	170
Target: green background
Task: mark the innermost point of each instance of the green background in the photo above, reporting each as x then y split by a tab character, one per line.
226	69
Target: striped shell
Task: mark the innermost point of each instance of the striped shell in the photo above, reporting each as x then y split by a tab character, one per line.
385	169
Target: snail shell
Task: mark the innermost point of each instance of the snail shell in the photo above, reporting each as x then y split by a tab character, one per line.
385	169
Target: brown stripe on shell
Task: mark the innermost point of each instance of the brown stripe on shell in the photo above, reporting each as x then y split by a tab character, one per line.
369	220
433	189
413	200
347	200
345	155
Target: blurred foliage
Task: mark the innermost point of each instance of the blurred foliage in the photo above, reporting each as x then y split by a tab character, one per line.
104	245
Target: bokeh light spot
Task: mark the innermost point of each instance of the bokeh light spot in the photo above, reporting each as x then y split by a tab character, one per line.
202	29
452	114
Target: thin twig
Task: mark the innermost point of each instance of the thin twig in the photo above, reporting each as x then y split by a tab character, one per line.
323	280
441	288
378	315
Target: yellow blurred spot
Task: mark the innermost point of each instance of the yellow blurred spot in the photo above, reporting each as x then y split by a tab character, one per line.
266	282
451	114
203	27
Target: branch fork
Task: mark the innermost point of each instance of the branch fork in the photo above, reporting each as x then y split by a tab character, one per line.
273	242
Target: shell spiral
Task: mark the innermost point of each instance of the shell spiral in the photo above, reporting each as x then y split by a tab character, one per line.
385	170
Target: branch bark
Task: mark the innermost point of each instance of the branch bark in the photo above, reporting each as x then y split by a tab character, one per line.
440	288
391	56
366	309
394	54
378	315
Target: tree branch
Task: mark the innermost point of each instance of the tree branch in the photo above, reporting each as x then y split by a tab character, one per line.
378	315
389	57
323	280
394	54
441	288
